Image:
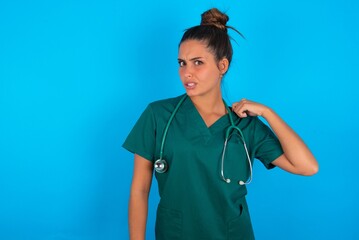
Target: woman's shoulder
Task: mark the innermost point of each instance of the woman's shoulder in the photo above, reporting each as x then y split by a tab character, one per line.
165	104
247	122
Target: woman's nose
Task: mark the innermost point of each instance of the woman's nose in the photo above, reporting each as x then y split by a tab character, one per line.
187	72
188	75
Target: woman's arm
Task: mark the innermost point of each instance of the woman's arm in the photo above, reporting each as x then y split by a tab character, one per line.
297	157
138	204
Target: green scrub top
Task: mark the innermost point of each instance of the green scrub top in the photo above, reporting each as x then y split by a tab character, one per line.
195	203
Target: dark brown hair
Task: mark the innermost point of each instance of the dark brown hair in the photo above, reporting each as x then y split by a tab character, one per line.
213	31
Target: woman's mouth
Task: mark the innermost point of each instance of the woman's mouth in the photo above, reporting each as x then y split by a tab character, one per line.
190	85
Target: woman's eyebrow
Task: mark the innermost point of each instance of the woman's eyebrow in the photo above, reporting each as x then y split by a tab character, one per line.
196	58
192	59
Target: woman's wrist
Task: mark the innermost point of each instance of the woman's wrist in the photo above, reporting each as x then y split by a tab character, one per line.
267	113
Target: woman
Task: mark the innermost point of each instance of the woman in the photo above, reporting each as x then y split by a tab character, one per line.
205	149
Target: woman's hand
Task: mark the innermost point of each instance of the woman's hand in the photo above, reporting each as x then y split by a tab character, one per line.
246	108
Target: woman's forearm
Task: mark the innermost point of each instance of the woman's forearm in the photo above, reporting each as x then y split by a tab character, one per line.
138	208
138	205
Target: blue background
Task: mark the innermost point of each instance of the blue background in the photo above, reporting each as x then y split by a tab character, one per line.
76	75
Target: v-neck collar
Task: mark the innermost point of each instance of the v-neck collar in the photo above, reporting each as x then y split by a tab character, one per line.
199	124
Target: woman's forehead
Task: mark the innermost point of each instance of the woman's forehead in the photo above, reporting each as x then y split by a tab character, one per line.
193	49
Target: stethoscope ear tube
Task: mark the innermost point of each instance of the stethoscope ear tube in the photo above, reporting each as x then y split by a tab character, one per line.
227	180
234	127
250	165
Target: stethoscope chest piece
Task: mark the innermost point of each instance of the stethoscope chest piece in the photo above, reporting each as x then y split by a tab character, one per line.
160	166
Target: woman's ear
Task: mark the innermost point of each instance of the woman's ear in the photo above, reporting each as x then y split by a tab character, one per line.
223	65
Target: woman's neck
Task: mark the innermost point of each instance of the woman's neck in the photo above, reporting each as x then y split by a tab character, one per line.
211	108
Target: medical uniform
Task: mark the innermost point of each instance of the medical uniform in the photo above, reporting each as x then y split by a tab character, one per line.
195	203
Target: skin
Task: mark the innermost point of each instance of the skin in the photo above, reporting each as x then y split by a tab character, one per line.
201	76
138	204
297	157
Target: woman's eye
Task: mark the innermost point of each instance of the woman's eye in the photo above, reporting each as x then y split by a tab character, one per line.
181	63
197	62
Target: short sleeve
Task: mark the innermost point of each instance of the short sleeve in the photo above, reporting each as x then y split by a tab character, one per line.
142	138
267	147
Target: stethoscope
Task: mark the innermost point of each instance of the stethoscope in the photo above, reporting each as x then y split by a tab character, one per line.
161	165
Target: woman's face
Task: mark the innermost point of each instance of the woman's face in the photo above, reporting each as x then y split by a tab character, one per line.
199	72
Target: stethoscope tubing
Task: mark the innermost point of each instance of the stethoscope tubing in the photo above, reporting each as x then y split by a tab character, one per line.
169	123
161	165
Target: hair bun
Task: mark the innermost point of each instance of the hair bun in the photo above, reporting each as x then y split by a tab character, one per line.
215	18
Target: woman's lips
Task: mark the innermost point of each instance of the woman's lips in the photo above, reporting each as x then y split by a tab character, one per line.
190	85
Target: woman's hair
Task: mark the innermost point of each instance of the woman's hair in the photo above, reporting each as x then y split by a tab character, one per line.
213	32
